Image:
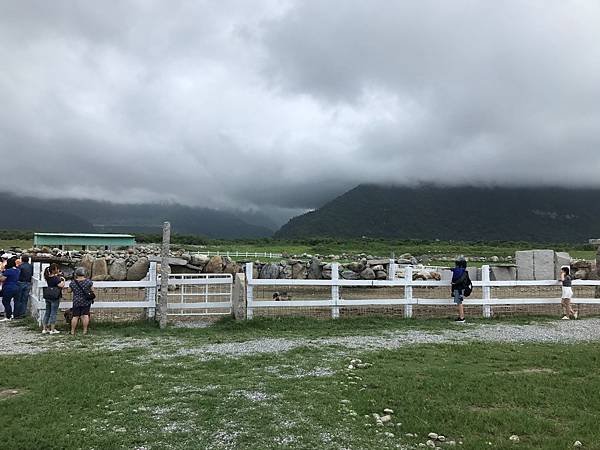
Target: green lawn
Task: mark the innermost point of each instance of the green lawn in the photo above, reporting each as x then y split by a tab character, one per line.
98	393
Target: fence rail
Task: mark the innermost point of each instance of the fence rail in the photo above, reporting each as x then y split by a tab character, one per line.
409	300
238	254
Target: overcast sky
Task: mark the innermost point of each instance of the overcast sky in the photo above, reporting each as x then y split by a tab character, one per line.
284	104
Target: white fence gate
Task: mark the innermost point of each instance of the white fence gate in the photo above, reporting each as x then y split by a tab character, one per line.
204	294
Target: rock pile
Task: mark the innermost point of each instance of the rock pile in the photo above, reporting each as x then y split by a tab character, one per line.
316	269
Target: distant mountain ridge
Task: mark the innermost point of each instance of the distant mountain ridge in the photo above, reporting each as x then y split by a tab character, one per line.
455	213
76	215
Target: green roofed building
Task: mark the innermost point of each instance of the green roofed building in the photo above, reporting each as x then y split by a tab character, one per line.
84	241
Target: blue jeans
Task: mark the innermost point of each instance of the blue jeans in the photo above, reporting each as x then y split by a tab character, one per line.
51	311
23	298
9	294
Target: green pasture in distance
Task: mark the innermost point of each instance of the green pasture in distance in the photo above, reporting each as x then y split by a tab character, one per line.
332	246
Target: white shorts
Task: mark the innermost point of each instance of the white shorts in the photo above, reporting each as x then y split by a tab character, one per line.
567	292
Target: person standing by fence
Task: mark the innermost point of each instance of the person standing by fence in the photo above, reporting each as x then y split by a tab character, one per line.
82	289
567	294
24	285
460	279
52	296
10	289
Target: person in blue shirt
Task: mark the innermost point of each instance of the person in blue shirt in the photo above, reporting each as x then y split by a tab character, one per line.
10	289
460	278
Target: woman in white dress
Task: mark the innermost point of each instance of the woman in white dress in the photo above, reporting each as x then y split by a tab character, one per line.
567	293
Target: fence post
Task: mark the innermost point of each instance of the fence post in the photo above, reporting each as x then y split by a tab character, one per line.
335	291
392	270
485	278
151	291
238	297
249	290
408	292
164	275
34	293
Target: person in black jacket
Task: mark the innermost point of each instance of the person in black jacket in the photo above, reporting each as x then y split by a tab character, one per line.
24	285
460	279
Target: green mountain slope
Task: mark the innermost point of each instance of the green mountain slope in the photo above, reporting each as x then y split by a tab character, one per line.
455	213
75	215
51	216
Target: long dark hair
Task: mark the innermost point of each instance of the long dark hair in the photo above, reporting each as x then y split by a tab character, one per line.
12	262
566	270
52	268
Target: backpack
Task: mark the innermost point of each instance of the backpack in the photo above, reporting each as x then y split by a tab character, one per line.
464	283
468	286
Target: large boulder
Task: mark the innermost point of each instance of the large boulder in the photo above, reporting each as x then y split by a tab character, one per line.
543	264
87	262
503	273
355	266
138	269
298	271
367	274
199	259
377	262
381	275
581	270
350	275
525	269
214	265
314	269
285	271
269	271
99	269
562	259
231	267
118	270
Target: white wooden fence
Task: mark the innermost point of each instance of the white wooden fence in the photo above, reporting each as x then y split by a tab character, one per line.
409	300
238	254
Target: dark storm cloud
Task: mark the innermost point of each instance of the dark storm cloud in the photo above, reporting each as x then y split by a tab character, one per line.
285	104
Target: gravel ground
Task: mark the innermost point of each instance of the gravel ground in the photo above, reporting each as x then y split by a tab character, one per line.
19	340
564	332
15	340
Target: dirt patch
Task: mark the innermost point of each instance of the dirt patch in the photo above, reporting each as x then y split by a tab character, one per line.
531	370
8	393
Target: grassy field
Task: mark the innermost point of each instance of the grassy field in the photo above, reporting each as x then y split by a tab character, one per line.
101	393
6	244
